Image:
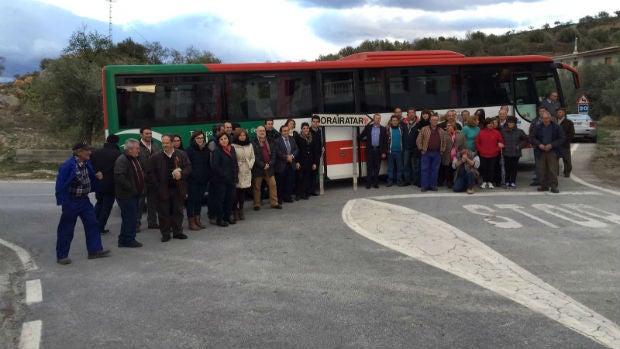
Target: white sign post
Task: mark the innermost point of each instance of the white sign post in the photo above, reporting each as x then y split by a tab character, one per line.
346	120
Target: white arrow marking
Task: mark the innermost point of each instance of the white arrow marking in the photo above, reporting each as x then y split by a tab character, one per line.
443	246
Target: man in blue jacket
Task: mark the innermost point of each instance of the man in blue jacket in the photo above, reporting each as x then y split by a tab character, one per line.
76	178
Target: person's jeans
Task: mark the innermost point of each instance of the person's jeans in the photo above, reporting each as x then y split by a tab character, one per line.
70	212
430	162
395	167
129	214
148	202
537	153
103	207
411	167
464	182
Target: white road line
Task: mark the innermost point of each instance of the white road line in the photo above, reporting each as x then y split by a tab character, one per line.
443	246
582	182
31	335
518	208
483	193
34	291
22	254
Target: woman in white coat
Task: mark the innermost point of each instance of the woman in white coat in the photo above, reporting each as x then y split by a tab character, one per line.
245	159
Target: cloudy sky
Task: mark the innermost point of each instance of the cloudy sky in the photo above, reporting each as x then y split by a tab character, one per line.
265	30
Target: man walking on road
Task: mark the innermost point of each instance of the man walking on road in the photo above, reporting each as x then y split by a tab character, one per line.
129	185
76	178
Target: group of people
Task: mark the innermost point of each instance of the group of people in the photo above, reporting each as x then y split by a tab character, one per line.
283	165
476	149
169	180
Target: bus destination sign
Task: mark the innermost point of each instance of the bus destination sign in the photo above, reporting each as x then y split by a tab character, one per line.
350	120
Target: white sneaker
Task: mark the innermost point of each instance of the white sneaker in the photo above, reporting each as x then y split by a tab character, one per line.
483	185
491	185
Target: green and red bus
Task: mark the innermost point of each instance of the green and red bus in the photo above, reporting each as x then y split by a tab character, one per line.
178	99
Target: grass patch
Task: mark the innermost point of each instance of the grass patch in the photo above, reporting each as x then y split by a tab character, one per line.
11	170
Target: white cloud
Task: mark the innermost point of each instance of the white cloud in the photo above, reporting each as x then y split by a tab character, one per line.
275	30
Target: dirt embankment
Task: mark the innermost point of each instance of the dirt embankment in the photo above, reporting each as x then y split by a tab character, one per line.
605	162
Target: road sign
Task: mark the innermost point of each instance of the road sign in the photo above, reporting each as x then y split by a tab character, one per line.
583	104
344	119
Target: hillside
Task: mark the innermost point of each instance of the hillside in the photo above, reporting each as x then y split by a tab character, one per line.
593	32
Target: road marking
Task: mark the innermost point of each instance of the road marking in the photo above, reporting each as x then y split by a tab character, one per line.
566	214
520	209
34	291
593	211
482	193
22	254
582	182
31	335
492	218
443	246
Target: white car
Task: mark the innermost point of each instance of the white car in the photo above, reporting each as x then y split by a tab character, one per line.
585	127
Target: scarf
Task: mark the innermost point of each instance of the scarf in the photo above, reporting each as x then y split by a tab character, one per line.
307	138
266	144
453	150
241	143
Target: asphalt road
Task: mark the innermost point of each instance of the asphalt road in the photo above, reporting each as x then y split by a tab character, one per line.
365	269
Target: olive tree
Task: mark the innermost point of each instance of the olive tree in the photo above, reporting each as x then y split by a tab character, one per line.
71	92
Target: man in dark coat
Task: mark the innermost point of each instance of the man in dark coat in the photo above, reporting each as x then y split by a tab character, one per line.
149	198
129	181
569	133
167	172
103	160
317	134
411	154
548	138
76	178
552	105
285	164
265	154
271	133
375	136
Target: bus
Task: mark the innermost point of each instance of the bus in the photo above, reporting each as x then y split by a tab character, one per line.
178	99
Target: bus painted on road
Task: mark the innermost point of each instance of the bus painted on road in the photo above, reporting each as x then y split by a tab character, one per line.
178	99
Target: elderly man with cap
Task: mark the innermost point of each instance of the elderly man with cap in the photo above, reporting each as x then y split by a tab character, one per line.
76	178
103	160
